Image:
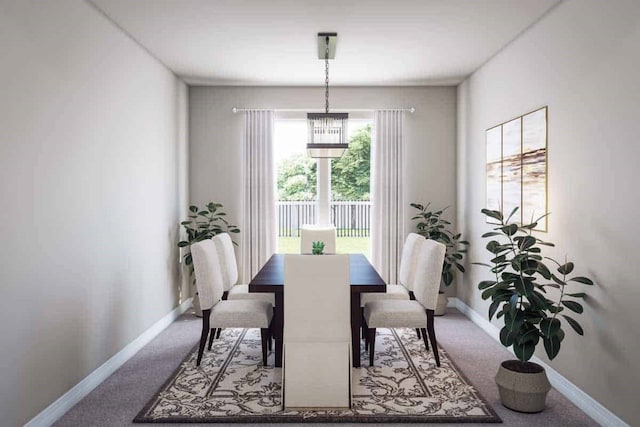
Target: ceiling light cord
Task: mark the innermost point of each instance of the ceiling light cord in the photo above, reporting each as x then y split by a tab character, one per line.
326	79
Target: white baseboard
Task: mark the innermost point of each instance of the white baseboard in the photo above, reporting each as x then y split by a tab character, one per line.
58	408
582	400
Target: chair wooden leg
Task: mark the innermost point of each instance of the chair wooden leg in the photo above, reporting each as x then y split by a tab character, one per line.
218	334
203	336
424	338
264	337
432	336
418	332
372	344
211	337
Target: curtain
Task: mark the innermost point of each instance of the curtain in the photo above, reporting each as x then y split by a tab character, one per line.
387	194
258	228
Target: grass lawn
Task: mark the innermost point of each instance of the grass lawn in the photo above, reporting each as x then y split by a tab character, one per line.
345	245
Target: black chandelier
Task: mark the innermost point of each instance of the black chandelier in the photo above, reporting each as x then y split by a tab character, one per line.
327	131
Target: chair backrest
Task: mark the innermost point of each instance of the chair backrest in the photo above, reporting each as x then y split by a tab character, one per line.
209	281
228	263
429	260
406	274
317	298
312	233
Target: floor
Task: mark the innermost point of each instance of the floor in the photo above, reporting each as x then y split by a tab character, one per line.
117	400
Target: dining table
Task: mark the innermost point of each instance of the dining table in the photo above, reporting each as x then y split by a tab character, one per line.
363	277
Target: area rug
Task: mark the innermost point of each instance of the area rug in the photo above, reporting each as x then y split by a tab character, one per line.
232	386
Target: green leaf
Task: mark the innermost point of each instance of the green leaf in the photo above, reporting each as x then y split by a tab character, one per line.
493	214
583	280
524	351
493	307
577	295
511	214
573	306
491	234
552	346
513	321
510	229
566	268
549	327
485	284
526	242
182	244
193	208
575	325
506	337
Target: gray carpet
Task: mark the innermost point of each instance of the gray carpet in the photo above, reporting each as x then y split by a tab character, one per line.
117	401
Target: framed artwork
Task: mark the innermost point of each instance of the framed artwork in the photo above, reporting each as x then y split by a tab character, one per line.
516	168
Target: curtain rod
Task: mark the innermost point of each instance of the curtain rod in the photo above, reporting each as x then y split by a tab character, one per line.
235	110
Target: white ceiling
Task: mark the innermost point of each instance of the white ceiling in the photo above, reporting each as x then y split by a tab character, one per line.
380	42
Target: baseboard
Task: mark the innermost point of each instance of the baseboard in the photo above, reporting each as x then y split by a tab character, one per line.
582	400
58	408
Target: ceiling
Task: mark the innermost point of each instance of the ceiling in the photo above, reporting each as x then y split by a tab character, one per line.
380	42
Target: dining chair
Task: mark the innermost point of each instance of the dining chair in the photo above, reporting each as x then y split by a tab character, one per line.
317	332
418	313
313	233
229	269
406	277
220	313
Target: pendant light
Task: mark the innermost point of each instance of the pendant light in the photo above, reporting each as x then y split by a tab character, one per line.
327	131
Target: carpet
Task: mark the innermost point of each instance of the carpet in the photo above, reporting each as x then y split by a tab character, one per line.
231	385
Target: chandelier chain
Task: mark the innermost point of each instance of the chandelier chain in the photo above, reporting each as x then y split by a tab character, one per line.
326	79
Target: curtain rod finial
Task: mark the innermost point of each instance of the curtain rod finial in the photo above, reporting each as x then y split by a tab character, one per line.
234	110
412	110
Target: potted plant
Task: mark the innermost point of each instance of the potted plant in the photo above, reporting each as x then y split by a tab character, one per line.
431	225
519	295
317	248
203	224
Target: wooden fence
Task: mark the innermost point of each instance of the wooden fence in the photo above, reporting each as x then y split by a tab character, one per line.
351	218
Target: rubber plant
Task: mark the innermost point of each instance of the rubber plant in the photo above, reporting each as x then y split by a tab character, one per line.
432	226
204	224
317	248
519	291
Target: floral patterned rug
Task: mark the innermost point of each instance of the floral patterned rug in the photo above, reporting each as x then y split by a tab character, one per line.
231	385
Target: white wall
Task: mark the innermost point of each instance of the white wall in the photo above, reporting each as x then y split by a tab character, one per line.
581	60
216	136
92	183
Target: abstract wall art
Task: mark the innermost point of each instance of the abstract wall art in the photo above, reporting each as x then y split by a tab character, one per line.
516	169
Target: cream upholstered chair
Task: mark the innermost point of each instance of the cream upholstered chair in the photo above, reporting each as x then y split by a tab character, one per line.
220	313
317	334
234	291
313	233
418	313
229	269
406	275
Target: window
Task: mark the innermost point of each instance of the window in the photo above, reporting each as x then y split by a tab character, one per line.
297	187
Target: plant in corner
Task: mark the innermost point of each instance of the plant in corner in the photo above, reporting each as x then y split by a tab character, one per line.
519	295
203	224
431	225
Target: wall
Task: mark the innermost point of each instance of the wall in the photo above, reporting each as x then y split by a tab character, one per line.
216	136
92	184
582	61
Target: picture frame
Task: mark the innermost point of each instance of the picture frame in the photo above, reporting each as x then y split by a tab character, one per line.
516	167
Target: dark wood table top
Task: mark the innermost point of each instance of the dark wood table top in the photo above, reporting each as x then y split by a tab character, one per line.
363	277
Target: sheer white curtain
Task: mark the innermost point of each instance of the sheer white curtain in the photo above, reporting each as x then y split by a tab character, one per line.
258	228
387	193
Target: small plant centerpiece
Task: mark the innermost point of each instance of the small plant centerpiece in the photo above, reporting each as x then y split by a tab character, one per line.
317	248
518	293
203	224
431	225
